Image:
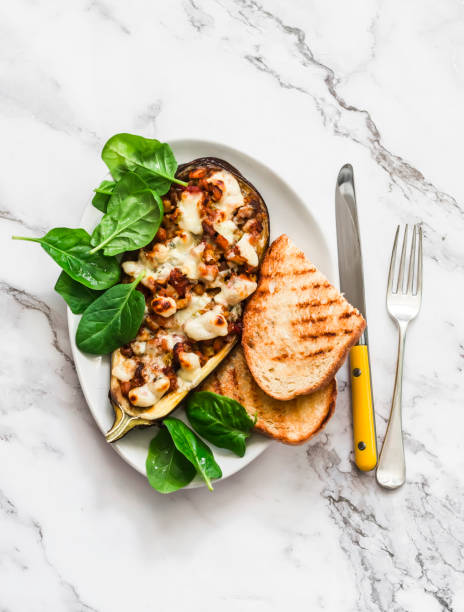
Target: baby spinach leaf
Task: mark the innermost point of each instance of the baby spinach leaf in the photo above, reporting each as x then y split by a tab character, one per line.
76	296
129	184
112	320
167	469
103	194
106	189
151	159
133	217
71	250
220	420
196	451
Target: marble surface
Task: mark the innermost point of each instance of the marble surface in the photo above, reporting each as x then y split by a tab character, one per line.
305	86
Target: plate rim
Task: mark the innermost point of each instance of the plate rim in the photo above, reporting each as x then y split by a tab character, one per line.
265	442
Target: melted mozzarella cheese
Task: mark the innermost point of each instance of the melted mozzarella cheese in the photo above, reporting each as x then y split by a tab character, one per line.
247	250
164	306
153	365
156	256
197	302
150	393
232	197
207	326
189	206
235	291
123	369
162	272
190	366
134	268
139	348
168	341
183	254
227	229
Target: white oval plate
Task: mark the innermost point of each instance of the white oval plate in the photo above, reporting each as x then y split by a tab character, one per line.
288	214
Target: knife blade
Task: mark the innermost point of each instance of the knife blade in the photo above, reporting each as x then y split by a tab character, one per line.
352	285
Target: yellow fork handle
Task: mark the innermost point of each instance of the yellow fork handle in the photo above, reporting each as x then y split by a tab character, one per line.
365	447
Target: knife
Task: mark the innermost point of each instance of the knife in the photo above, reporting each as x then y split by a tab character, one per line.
352	285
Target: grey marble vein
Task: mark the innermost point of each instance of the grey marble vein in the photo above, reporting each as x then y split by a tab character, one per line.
350	121
75	601
9	509
401	172
199	19
38	94
7	215
260	63
31	302
365	538
106	12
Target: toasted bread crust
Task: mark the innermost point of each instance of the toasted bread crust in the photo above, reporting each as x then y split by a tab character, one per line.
297	327
291	422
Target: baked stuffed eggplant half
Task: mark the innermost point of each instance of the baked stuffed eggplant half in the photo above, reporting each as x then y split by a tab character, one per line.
199	269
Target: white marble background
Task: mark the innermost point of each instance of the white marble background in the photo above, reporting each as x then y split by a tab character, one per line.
306	86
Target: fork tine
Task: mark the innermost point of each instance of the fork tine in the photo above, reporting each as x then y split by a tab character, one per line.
419	266
402	261
392	262
412	261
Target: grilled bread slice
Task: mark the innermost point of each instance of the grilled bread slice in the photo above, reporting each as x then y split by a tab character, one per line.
297	328
291	422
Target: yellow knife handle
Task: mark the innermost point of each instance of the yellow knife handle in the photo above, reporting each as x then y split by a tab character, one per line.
365	447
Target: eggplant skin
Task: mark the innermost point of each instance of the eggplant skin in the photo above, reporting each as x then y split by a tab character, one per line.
127	416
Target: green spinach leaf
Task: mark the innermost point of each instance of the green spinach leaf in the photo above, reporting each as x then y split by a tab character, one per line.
220	420
151	159
134	214
112	320
196	451
167	469
71	250
103	194
129	184
76	295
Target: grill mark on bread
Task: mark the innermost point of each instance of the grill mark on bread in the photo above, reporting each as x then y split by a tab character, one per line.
321	351
321	318
280	357
279	274
315	303
235	378
326	334
308	287
317	335
303	355
310	319
347	315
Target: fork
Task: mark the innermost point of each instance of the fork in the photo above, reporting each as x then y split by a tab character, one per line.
403	305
